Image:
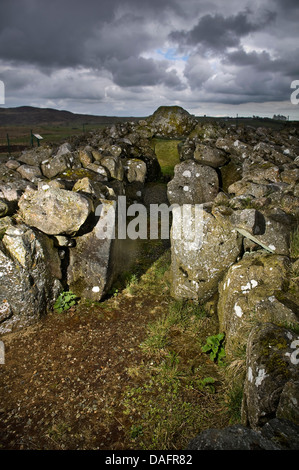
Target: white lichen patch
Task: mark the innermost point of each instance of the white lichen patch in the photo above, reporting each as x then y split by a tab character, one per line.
260	377
238	311
250	285
96	289
187	173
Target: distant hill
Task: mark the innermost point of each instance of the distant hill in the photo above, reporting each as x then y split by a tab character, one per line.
31	116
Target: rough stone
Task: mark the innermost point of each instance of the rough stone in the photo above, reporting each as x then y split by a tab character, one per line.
135	170
92	263
55	211
250	293
171	121
270	364
235	437
192	184
31	173
114	165
197	266
30	276
209	155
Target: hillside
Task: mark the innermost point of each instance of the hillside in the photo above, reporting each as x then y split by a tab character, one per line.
28	115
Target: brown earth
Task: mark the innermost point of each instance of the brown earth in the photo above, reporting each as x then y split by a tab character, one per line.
65	379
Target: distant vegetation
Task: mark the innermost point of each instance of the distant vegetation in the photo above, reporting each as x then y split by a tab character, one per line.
54	126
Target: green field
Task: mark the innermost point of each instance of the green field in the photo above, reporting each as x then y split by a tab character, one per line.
167	153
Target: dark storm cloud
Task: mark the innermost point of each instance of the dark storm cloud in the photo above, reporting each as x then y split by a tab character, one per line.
228	52
133	71
220	32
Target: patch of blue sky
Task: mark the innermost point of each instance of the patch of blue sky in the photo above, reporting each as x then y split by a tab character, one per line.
170	54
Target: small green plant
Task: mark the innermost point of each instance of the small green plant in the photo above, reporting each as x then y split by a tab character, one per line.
136	431
206	383
65	301
214	346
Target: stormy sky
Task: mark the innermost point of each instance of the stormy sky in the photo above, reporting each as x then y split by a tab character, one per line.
127	57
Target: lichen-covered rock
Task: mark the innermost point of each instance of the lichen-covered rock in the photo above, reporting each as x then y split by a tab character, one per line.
251	292
197	267
91	262
30	276
135	170
31	173
4	208
209	155
115	166
289	398
270	364
282	432
192	184
171	121
235	437
270	229
36	156
95	189
55	211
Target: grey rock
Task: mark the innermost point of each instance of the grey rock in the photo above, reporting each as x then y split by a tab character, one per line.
31	173
269	366
192	184
115	166
209	155
235	437
55	211
249	294
35	156
171	121
135	170
197	266
30	277
92	263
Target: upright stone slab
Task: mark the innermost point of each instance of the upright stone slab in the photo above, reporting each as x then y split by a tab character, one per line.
197	267
92	263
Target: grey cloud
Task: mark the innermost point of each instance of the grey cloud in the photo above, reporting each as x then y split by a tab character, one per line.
135	71
219	32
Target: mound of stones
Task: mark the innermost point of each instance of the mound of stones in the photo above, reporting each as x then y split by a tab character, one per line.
245	182
237	248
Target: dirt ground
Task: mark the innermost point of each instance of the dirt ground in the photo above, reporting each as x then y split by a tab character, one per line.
63	383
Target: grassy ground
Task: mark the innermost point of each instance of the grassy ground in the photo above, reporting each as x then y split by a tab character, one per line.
167	153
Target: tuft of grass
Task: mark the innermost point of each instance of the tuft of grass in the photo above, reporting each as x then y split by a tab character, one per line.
175	389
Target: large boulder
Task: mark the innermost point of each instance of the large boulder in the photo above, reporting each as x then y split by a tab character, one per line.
235	437
210	155
270	229
36	156
271	364
254	290
198	266
30	276
192	184
277	434
171	121
55	211
92	264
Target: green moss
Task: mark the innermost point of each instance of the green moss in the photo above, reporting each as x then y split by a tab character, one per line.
277	366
